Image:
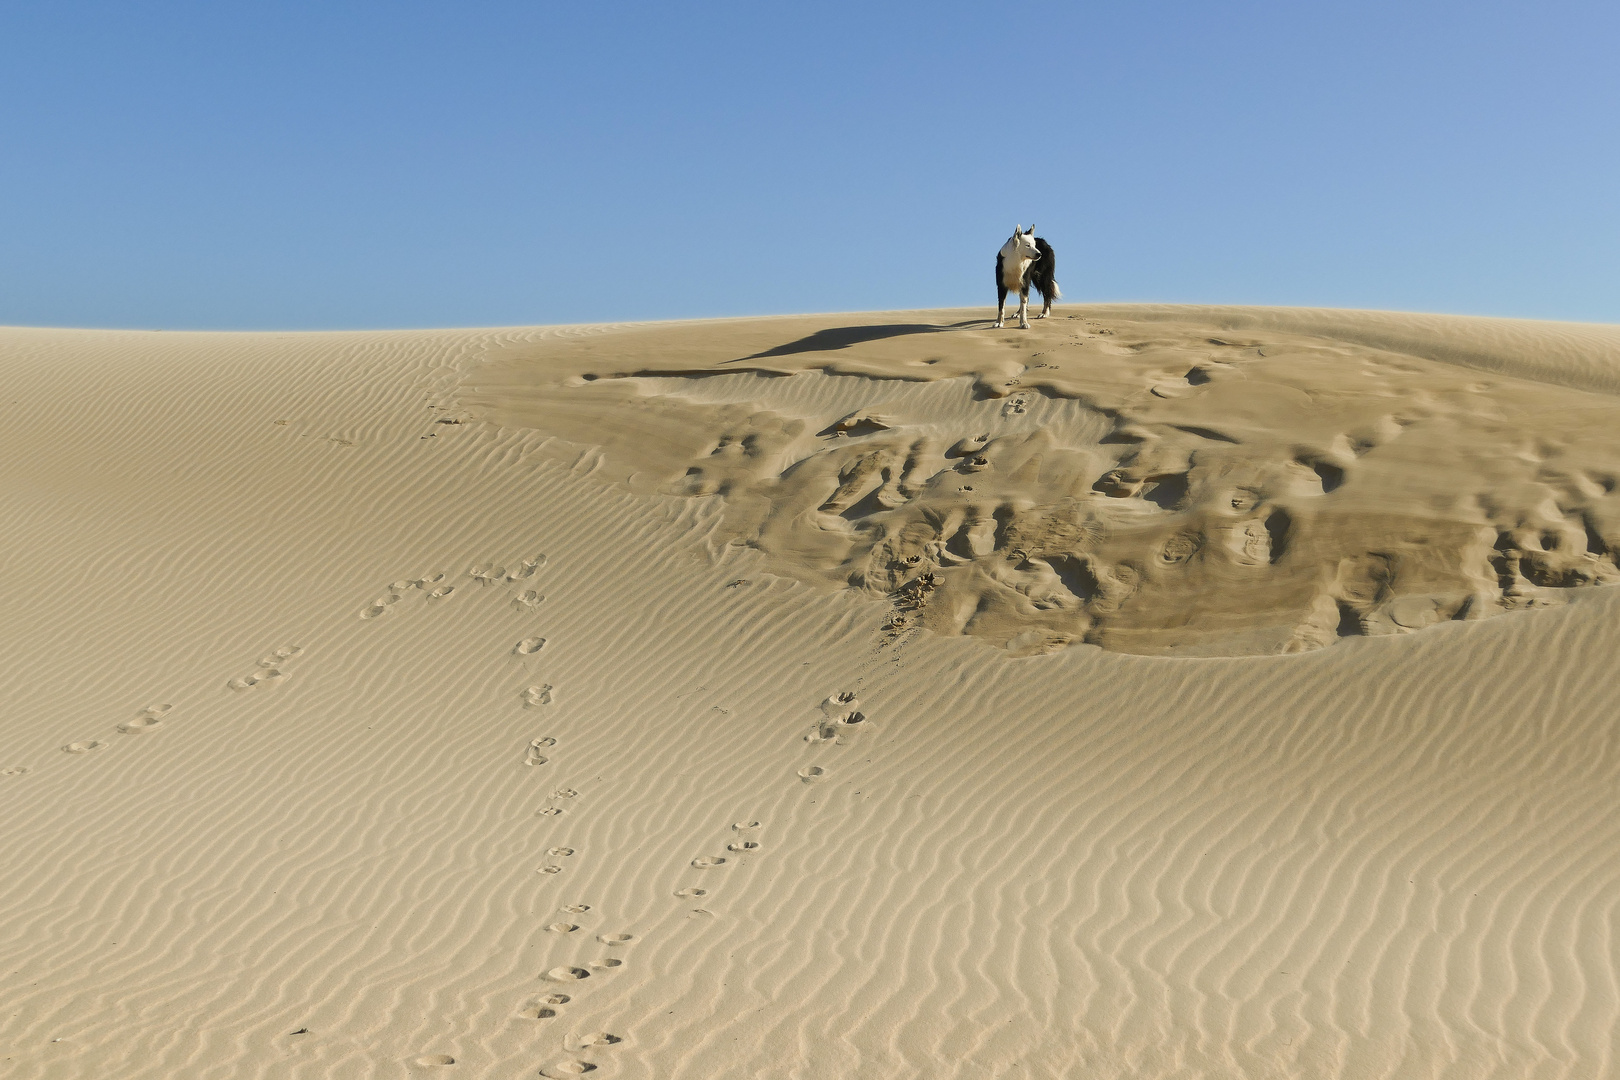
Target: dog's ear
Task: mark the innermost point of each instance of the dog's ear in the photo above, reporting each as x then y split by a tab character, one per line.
1017	229
1031	231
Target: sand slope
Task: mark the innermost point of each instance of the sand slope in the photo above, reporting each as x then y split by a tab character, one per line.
318	786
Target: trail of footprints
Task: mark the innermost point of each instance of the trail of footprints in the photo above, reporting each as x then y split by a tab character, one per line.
269	670
841	720
436	586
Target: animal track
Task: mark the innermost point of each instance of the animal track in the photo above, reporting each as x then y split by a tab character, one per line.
549	811
84	747
549	868
744	826
528	598
562	927
533	756
600	1038
615	939
568	1068
577	909
811	774
743	845
690	892
561	852
529	646
608	964
16	770
704	862
536	695
434	1059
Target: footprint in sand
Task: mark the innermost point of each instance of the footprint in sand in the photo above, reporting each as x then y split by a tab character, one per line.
615	939
550	811
840	714
536	695
562	927
441	592
544	1007
564	793
526	571
147	719
431	1060
691	892
607	965
577	909
379	606
600	1038
16	770
703	862
561	852
567	1068
258	678
528	598
742	845
566	974
549	868
269	669
84	747
533	755
529	646
812	774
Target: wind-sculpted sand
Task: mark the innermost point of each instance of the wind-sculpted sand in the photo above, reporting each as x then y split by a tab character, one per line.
724	699
1153	485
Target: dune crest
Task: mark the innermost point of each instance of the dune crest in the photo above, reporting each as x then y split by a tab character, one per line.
1143	480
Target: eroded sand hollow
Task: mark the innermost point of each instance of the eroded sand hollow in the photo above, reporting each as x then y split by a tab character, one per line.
1149	480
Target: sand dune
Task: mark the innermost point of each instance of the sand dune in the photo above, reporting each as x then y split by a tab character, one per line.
801	697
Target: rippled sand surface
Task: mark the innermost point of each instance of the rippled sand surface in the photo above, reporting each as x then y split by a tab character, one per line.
1160	692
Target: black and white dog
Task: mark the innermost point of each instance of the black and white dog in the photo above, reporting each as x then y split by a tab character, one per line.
1025	260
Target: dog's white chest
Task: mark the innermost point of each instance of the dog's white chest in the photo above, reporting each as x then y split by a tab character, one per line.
1012	269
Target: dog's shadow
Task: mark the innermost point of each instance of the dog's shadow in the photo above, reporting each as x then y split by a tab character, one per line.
842	337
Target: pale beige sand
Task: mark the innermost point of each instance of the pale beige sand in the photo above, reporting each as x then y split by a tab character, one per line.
308	783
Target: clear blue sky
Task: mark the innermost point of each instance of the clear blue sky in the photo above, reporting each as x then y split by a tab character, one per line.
313	165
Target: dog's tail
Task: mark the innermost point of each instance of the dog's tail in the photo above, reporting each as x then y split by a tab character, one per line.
1046	270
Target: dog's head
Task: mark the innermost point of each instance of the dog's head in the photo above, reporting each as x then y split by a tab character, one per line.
1022	244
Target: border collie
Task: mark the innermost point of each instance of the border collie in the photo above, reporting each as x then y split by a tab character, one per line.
1023	261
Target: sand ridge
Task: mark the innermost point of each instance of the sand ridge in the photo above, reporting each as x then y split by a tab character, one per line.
423	748
1205	493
